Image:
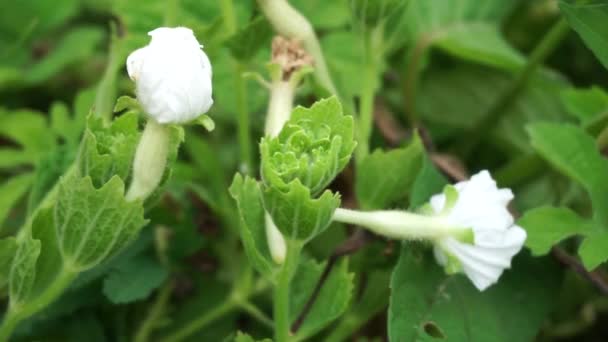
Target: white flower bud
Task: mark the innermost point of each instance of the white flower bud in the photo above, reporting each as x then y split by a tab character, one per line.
469	225
172	76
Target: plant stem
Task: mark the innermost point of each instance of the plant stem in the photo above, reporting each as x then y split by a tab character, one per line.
227	7
499	108
147	326
282	95
288	22
281	294
106	90
366	112
20	311
256	313
410	85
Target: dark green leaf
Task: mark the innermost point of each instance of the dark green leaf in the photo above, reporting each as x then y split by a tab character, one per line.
589	21
133	280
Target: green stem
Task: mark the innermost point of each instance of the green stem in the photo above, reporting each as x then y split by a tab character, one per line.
106	90
244	133
366	112
227	7
281	294
202	321
20	311
147	326
499	108
256	313
410	85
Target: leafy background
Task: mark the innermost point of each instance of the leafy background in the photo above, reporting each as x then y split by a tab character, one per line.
458	69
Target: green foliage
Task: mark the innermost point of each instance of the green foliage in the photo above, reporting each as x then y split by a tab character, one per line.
246	43
11	191
425	304
313	147
386	177
589	21
23	270
296	214
91	223
587	105
8	248
332	300
464	29
133	280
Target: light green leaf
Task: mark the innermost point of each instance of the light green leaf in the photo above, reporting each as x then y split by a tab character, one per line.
76	45
593	250
133	280
247	194
23	270
50	261
8	248
386	177
463	28
246	43
11	191
296	214
589	21
332	301
91	223
574	153
241	337
28	129
313	147
425	304
546	226
587	105
345	52
323	14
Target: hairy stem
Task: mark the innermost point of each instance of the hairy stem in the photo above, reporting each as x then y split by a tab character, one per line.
147	326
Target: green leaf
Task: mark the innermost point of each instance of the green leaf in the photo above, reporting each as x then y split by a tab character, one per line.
467	92
241	337
345	52
11	191
428	183
464	29
29	130
313	147
248	196
589	21
91	223
386	177
8	248
134	280
587	105
546	226
75	46
109	151
574	153
425	304
246	43
50	261
23	270
332	301
296	214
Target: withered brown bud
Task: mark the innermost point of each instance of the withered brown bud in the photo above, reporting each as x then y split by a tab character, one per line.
289	54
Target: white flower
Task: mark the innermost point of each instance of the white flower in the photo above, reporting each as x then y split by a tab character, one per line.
469	225
172	76
481	206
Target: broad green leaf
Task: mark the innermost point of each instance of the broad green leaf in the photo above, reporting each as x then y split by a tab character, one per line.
50	261
463	28
574	153
426	305
109	151
457	98
383	178
8	248
91	223
589	21
11	191
332	301
593	249
313	147
296	214
133	280
546	226
587	105
345	52
29	130
248	196
23	270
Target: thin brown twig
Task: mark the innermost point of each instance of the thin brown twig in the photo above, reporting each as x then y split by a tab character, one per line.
595	277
